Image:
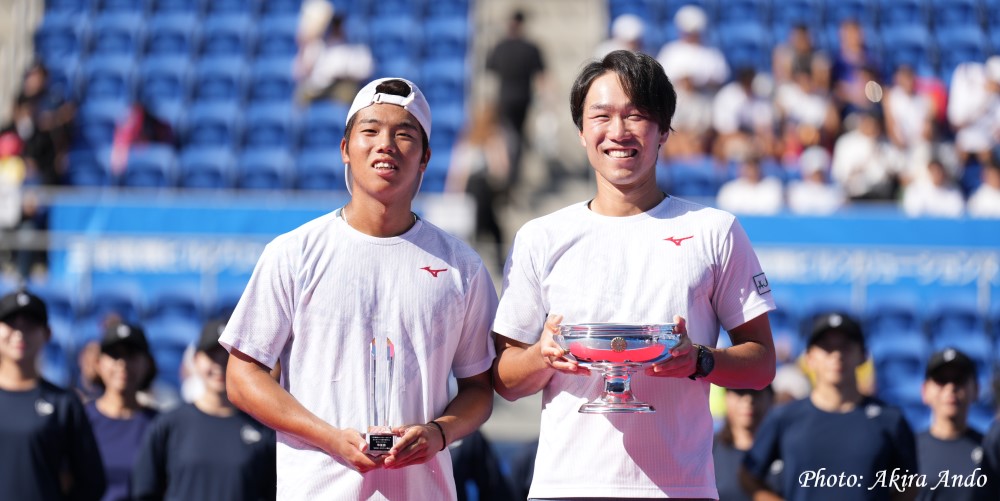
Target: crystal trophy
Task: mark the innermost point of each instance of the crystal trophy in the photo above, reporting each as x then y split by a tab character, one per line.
380	435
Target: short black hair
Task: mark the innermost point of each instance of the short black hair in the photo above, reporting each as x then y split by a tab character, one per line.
642	78
395	87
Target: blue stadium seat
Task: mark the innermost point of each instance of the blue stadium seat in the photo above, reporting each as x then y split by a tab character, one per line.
269	125
862	11
60	36
124	299
164	78
85	168
59	299
447	36
449	120
900	362
959	44
172	34
689	177
227	35
271	81
903	12
219	79
176	301
891	315
213	124
638	8
265	169
954	315
108	78
160	7
268	8
437	171
116	34
948	13
443	80
322	125
981	416
168	355
97	119
320	169
911	44
405	67
788	13
228	7
398	36
66	7
746	44
150	166
447	8
207	167
54	363
276	36
127	6
410	8
744	11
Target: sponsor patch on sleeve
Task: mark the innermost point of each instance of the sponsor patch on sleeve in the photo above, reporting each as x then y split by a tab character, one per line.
760	281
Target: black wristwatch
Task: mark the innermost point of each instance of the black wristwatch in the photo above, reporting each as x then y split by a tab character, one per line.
704	364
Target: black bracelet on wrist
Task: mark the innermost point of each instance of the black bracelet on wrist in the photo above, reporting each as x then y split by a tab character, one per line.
444	441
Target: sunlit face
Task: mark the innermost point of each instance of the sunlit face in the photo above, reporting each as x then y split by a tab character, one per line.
385	152
22	338
834	357
949	393
622	142
211	366
122	369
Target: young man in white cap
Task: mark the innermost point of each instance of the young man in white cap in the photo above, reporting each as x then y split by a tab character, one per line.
369	297
47	449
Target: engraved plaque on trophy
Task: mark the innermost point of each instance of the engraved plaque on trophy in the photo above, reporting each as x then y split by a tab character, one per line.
380	435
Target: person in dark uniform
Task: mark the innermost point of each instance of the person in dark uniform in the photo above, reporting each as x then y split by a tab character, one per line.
837	444
745	409
950	447
208	449
124	368
47	450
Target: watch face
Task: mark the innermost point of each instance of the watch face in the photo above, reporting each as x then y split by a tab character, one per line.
706	361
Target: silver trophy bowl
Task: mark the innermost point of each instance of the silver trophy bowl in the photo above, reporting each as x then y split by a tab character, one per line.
618	351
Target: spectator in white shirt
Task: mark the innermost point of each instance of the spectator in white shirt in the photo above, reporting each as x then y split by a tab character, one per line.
864	163
935	196
985	201
909	122
751	192
689	57
743	116
814	194
974	108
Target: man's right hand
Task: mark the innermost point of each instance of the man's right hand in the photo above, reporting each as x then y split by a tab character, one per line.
350	446
555	356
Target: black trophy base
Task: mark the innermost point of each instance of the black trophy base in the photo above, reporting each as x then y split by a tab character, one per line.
380	440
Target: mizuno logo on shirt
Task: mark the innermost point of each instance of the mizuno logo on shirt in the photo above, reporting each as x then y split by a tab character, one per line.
434	273
677	240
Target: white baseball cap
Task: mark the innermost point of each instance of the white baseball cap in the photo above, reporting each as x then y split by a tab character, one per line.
690	19
627	27
415	102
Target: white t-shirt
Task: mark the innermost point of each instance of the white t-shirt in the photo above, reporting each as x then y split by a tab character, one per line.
316	299
808	197
924	198
985	202
704	65
741	196
679	258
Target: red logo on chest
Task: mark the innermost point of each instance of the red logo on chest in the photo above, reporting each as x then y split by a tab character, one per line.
434	273
677	241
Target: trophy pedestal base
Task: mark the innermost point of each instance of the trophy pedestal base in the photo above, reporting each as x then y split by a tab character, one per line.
617	397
